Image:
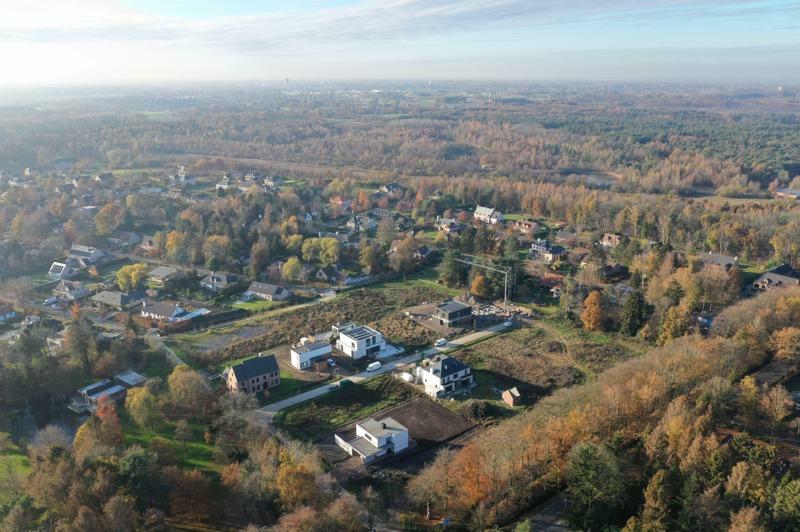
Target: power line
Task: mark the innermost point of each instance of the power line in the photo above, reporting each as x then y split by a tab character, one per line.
505	271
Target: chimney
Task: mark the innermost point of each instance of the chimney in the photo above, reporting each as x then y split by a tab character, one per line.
383	425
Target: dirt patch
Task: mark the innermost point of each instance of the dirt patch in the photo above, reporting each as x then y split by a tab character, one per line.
527	358
366	305
406	332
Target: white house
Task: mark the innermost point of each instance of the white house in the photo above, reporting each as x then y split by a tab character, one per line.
70	290
309	349
61	270
374	439
488	215
85	255
358	341
445	375
267	291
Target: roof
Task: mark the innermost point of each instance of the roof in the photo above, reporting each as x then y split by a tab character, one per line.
117	299
68	286
565	235
82	251
310	346
255	367
442	366
776	279
786	271
130	378
452	306
162	271
265	288
329	270
718	259
362	332
484	211
382	428
162	308
218	278
513	391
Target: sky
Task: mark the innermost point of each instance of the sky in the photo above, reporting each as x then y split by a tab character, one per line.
118	42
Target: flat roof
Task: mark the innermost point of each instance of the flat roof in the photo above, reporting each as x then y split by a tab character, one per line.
310	346
385	427
452	306
364	447
362	332
130	378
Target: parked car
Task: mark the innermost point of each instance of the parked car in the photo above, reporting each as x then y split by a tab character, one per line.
331	363
441	342
373	366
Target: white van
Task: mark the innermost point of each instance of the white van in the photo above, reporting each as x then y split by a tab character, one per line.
441	342
373	366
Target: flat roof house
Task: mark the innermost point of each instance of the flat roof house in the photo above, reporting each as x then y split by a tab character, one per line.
374	439
488	215
445	375
62	270
268	292
308	351
453	313
359	341
253	375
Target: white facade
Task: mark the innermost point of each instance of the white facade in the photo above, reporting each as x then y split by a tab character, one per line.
488	215
374	439
308	349
444	377
360	341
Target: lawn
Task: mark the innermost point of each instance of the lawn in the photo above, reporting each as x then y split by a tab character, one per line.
317	420
512	217
258	305
196	454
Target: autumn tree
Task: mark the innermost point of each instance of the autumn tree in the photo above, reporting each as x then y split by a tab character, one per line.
296	485
402	259
329	251
188	390
786	342
142	406
593	315
292	270
216	250
776	405
749	399
748	519
131	276
371	258
675	324
480	287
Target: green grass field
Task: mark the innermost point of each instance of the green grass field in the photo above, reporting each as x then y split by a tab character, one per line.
196	454
317	419
258	305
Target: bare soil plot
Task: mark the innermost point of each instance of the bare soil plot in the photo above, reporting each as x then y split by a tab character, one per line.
366	305
429	426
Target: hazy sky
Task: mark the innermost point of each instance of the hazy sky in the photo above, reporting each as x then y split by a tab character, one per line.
122	41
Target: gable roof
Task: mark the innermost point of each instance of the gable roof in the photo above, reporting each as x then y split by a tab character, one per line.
255	367
162	308
266	288
116	298
484	211
718	259
162	271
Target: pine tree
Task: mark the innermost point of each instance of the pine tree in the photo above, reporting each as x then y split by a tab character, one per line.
634	314
655	514
452	270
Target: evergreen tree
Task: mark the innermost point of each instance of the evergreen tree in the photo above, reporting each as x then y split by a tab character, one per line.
453	272
634	315
593	316
655	514
595	487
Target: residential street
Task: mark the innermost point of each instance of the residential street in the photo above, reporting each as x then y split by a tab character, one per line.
263	416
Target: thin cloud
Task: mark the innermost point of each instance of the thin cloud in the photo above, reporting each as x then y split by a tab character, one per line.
371	20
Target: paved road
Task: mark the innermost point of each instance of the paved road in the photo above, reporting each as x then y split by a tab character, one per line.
263	416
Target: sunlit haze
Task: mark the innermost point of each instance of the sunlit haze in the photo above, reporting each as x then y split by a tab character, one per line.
76	42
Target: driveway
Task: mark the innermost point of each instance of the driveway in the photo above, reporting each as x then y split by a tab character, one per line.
263	416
